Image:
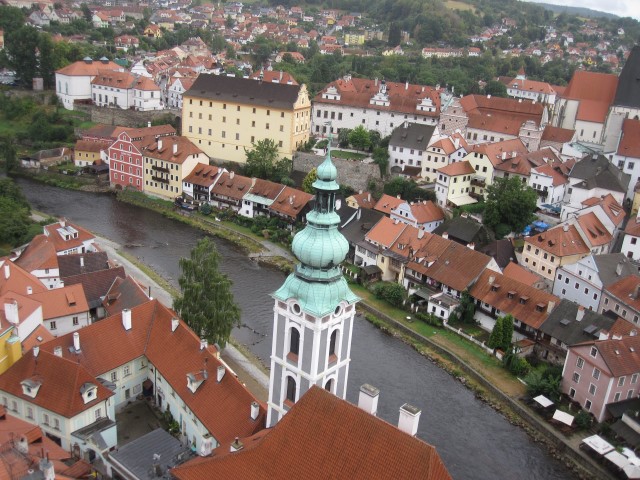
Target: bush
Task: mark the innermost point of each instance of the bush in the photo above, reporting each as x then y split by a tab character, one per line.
502	230
429	319
584	420
322	144
205	209
516	365
392	293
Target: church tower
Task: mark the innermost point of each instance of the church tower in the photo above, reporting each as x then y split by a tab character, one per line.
314	309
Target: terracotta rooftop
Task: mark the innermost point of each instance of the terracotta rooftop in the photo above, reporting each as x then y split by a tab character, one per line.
61	380
504	115
85	68
291	202
368	448
447	144
521	274
596	233
629	145
173	149
58	302
557	134
387	203
66	235
524	302
15	279
457	168
146	84
364	200
633	227
232	186
627	291
426	211
622	355
203	175
222	407
595	91
90	146
551	171
560	242
498	152
385	232
265	189
114	79
40	254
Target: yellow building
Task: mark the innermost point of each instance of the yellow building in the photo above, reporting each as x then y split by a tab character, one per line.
167	163
87	152
226	115
10	349
354	38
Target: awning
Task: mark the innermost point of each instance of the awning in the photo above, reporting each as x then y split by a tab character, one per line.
463	200
563	417
617	459
544	401
424	293
598	444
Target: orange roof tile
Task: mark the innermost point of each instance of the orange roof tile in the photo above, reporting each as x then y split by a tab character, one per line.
27	305
633	227
222	407
83	69
291	202
626	290
61	382
175	149
13	278
232	186
611	207
146	84
387	203
266	189
622	355
369	448
629	145
364	200
524	302
114	79
427	211
63	236
203	175
90	146
39	336
40	254
457	168
521	274
594	230
385	232
550	171
559	242
500	151
59	302
557	134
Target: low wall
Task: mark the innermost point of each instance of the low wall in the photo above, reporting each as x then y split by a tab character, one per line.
125	118
353	173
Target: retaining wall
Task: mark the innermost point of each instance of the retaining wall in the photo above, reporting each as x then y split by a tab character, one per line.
353	173
125	118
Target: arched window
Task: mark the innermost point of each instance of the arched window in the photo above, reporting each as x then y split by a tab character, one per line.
294	341
328	386
291	389
332	343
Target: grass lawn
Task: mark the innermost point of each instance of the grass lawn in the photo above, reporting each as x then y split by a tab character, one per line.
456	5
348	155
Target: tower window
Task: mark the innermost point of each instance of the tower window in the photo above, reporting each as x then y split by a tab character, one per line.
294	342
332	346
291	390
328	386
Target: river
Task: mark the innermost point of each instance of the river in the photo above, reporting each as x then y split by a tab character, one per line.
474	441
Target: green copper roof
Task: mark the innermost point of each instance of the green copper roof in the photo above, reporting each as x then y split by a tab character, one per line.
317	282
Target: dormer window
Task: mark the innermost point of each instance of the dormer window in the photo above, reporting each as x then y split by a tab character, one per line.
511	294
30	387
89	392
195	379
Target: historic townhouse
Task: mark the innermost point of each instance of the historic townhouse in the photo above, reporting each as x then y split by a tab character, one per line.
113	89
597	373
226	115
199	183
622	298
453	184
627	154
374	104
73	82
176	90
441	153
425	215
408	144
229	190
631	242
549	182
521	87
167	162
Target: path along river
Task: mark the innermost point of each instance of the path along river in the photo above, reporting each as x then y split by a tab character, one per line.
474	441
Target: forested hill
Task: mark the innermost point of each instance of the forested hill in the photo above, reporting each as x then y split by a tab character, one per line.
579	11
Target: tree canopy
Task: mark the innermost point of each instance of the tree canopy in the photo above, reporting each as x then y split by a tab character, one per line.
263	162
307	183
407	189
510	202
206	303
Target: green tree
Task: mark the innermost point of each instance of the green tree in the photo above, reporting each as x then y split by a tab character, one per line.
407	189
507	333
343	137
22	46
496	89
466	309
86	12
307	183
359	138
381	158
206	303
263	162
495	339
545	381
393	293
511	202
46	65
10	157
11	19
394	35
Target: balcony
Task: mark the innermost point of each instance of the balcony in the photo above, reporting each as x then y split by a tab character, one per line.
156	178
159	169
478	181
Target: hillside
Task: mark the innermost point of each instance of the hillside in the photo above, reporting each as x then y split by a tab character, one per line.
579	11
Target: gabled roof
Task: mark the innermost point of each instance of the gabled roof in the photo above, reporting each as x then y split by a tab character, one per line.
448	144
503	115
609	205
61	380
593	229
360	224
561	241
498	152
457	168
524	302
58	302
124	293
96	284
458	266
175	149
222	407
412	135
146	84
265	189
66	235
387	203
364	200
608	265
13	278
290	202
86	68
40	254
114	79
426	211
597	171
628	91
633	227
557	177
464	229
244	91
90	146
629	145
562	323
231	185
203	175
622	355
595	91
627	291
79	263
521	274
368	448
385	232
557	134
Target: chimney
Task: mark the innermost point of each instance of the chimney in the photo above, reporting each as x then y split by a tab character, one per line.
281	75
504	155
255	410
406	85
565	227
338	204
368	399
57	351
81	261
126	319
231	174
550	306
619	269
369	197
445	235
206	446
492	279
29	290
175	148
409	419
471	245
488	96
203	343
221	372
376	82
148	124
11	312
236	446
420	233
63	222
36	350
159	144
46	467
76	342
580	313
7	271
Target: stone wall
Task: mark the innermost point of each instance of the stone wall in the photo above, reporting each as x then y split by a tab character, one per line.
125	118
353	173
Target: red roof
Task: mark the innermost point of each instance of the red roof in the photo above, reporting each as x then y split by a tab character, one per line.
290	202
626	290
40	254
557	134
387	203
596	233
83	68
630	142
560	242
457	168
595	91
232	186
62	235
348	443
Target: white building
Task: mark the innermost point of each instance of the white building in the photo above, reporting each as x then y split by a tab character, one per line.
73	82
631	242
441	153
425	215
408	143
374	104
176	89
549	182
113	89
627	154
146	95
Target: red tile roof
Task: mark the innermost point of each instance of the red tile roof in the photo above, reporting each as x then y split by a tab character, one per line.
426	211
504	115
557	134
175	149
114	79
622	355
82	68
633	227
387	203
203	175
559	242
90	146
498	152
61	380
232	186
223	408
55	232
626	290
596	233
291	202
350	443
521	274
457	168
524	302
18	280
40	254
630	142
385	232
611	207
595	91
550	171
146	84
58	302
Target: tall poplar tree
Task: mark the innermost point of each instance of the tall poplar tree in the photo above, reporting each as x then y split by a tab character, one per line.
206	303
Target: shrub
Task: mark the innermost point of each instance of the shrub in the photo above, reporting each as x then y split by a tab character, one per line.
393	293
583	420
429	319
205	209
516	365
502	230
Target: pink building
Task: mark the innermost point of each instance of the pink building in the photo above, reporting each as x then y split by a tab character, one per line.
600	372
